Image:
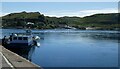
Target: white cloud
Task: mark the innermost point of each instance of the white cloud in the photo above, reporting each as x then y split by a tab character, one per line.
3	14
80	13
91	12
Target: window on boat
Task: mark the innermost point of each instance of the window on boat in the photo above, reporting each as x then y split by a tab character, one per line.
25	38
15	38
19	38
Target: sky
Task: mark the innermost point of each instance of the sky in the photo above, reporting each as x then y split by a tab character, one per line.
60	0
60	9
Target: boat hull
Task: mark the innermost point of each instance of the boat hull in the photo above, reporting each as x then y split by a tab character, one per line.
17	45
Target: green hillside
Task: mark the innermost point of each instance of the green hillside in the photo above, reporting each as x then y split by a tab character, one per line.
98	21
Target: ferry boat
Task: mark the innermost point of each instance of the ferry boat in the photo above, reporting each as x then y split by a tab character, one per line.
21	39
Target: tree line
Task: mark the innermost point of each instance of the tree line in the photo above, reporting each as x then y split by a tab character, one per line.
100	21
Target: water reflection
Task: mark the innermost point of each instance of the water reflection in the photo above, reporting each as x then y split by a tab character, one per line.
104	36
91	35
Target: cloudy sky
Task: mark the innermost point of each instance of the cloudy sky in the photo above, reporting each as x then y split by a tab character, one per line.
60	9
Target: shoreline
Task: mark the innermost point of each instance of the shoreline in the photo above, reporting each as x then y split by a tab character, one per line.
70	29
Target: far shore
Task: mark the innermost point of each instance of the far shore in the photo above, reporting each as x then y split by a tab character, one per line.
87	28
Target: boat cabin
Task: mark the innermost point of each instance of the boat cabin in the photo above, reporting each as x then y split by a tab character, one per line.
24	40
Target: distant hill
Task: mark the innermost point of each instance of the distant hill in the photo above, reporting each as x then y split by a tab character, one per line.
109	21
98	21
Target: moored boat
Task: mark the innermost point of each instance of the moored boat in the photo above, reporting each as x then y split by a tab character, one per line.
20	39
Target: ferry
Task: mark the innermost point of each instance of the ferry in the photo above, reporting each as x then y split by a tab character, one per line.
21	39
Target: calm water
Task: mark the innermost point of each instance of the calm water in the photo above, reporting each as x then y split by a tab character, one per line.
73	48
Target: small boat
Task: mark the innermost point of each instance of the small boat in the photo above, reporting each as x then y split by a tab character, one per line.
21	39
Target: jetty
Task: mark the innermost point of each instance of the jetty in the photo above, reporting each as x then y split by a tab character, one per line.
10	60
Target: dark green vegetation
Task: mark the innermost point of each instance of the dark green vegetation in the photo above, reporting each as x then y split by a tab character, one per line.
97	21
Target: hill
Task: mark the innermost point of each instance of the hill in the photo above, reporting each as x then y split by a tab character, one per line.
97	21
